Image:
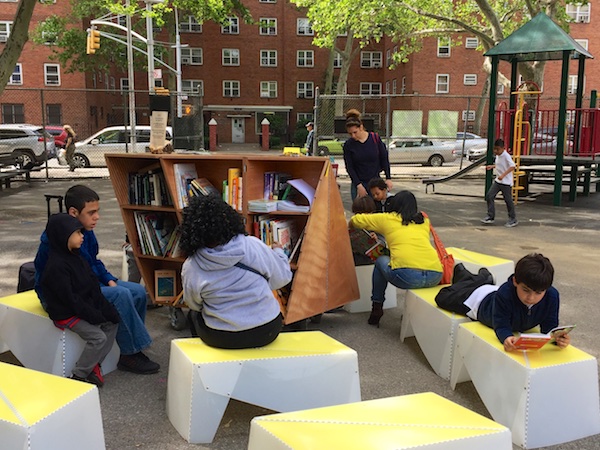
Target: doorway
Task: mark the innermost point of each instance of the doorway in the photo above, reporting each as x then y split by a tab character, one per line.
238	133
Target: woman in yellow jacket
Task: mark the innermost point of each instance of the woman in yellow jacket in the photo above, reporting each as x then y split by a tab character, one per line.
413	261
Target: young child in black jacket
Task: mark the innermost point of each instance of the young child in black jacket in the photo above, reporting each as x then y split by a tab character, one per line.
73	297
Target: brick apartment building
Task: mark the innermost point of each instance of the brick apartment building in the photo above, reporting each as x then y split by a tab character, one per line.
246	72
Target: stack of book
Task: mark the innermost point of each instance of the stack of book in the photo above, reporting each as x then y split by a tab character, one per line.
262	206
272	229
155	231
148	187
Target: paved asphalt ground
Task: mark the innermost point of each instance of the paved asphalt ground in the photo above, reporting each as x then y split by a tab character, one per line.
133	406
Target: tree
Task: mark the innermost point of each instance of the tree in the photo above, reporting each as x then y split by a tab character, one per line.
16	41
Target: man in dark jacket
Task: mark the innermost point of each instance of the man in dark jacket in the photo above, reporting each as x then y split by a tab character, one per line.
73	297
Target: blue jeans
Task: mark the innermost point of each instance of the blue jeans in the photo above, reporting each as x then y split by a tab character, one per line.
130	301
401	278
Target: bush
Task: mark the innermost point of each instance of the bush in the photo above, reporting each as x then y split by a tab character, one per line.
274	142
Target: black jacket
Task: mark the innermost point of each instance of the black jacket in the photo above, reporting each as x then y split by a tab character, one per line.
68	284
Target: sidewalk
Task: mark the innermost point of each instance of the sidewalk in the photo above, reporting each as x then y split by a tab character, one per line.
133	406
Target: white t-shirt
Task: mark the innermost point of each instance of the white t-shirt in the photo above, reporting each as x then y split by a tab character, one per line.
477	297
503	162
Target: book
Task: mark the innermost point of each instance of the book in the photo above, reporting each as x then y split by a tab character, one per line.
535	341
164	285
184	174
201	186
232	174
262	205
363	242
286	205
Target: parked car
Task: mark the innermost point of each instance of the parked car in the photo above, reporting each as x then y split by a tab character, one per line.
476	152
421	151
90	152
471	140
546	144
28	144
59	133
328	145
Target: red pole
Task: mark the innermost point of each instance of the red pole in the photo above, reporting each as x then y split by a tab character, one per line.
265	134
212	133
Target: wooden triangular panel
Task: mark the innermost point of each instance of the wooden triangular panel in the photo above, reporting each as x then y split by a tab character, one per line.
325	249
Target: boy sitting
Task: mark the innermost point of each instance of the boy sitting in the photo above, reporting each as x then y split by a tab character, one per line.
526	300
73	297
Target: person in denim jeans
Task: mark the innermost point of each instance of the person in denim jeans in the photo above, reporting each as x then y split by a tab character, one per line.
413	262
128	298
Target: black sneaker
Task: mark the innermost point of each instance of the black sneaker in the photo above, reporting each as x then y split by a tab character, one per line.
460	273
138	363
92	378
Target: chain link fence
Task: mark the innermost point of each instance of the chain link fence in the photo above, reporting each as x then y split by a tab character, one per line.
90	113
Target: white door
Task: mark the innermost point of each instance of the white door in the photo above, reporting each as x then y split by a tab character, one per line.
237	130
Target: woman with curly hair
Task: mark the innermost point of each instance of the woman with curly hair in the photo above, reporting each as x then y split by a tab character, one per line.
228	277
413	262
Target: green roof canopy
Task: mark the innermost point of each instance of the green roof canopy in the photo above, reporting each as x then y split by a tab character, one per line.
540	39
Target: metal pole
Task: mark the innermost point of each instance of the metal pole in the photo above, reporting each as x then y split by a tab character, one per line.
178	64
130	75
150	44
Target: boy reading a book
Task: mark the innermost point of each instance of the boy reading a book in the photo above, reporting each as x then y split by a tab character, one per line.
525	301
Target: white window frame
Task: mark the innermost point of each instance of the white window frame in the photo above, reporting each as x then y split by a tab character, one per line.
16	78
572	86
583	42
470	79
303	27
403	85
267	1
468	116
233	27
268	89
113	84
471	42
579	13
193	87
230	56
191	56
268	58
370	88
440	83
304	117
231	88
305	58
268	26
443	47
49	77
123	83
5	29
337	61
370	60
190	25
387	87
388	57
500	90
395	86
305	89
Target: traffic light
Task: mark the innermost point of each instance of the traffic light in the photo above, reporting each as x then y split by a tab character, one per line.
188	109
93	41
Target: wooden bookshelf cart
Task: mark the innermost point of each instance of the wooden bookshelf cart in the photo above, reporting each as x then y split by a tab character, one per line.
324	275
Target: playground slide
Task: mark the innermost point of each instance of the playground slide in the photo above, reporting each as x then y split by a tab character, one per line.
431	181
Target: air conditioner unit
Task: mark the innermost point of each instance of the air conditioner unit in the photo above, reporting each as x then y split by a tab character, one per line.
583	19
186	61
377	65
300	95
3	38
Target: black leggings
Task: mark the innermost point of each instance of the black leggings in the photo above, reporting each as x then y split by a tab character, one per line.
254	337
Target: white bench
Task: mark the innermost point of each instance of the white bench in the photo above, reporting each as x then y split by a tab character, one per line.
545	397
37	343
364	275
297	371
39	411
418	421
500	268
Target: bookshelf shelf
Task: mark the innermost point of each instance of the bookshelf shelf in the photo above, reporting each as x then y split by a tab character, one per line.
324	275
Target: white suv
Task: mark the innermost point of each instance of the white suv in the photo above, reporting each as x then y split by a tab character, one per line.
24	144
90	152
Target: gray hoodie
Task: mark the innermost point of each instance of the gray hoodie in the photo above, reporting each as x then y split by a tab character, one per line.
232	298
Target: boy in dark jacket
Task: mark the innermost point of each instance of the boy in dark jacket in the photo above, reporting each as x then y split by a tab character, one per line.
73	297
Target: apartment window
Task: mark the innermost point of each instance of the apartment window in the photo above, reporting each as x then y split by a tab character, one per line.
268	58
582	42
193	87
113	85
394	86
13	113
387	87
303	27
5	28
500	90
442	83
267	1
337	61
470	79
17	75
268	26
579	13
304	117
443	47
305	58
231	57
305	89
106	78
268	89
370	88
191	56
370	59
54	114
388	58
468	116
121	20
572	88
471	42
233	27
51	74
403	86
189	24
124	84
231	88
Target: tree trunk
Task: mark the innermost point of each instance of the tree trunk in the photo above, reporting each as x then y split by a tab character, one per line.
17	39
481	107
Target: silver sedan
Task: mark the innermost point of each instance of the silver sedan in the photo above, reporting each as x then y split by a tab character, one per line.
421	151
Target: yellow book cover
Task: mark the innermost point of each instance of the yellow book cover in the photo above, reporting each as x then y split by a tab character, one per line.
232	174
